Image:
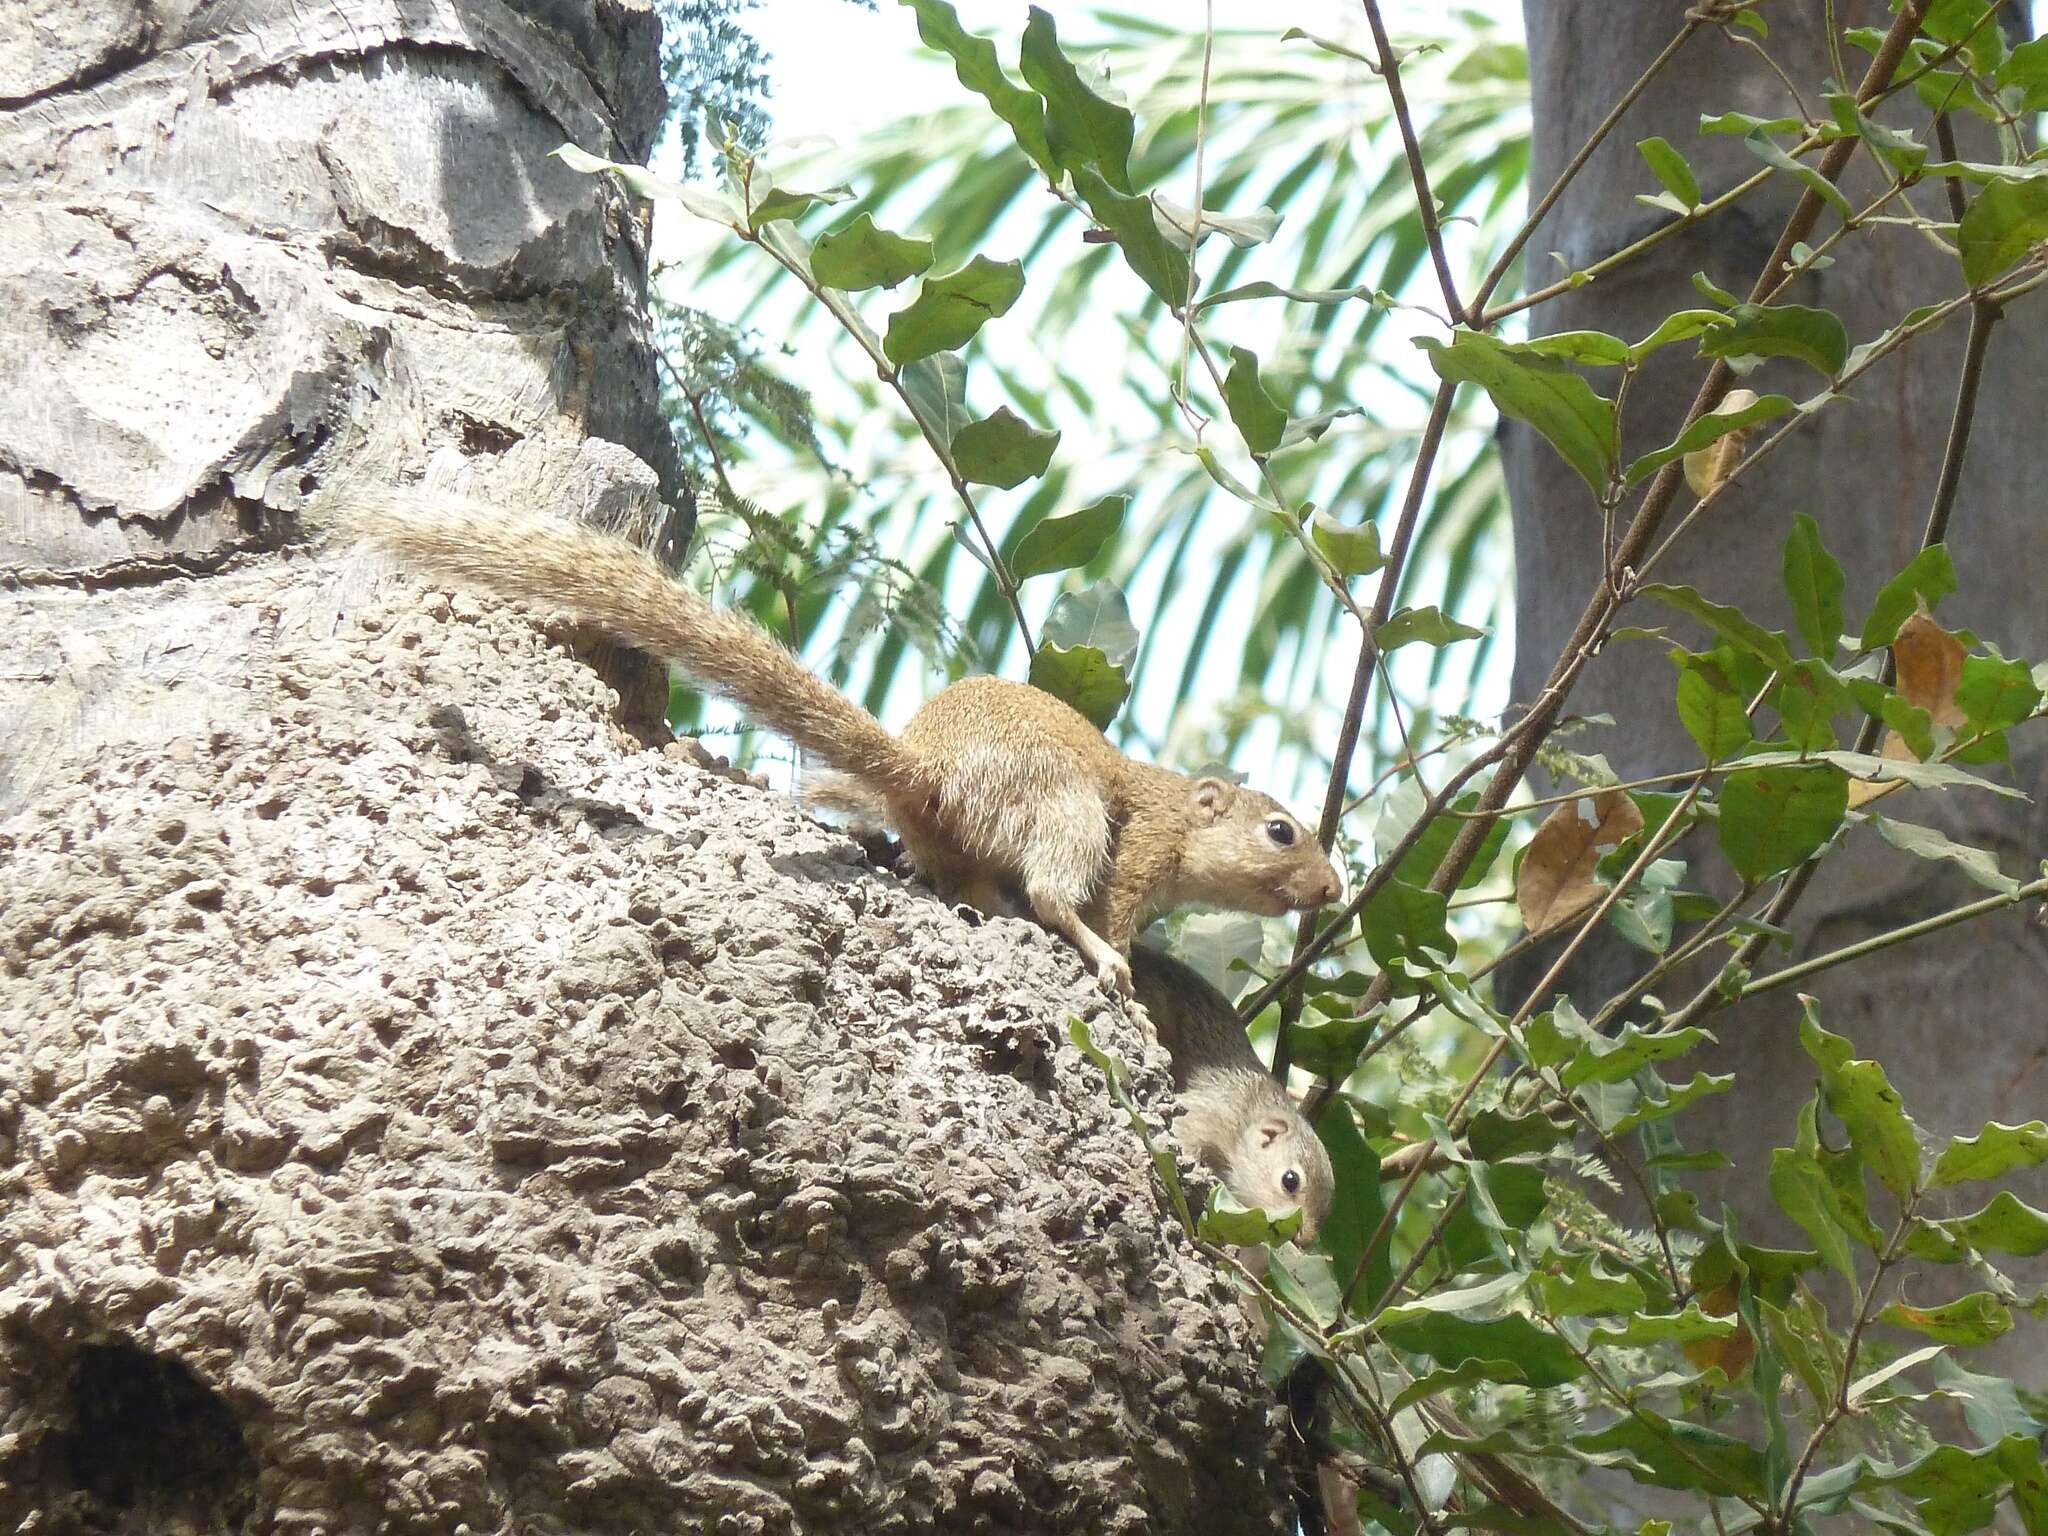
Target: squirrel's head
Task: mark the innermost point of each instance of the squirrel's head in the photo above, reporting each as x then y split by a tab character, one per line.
1246	852
1281	1166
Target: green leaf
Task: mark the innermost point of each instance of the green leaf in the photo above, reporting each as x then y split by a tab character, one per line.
1744	123
1541	391
1585	1289
1814	583
1680	326
1405	922
1359	1204
1669	167
1162	265
1990	1154
1710	428
2025	71
1672	1453
1811	336
1266	290
2007	1225
1928	577
1471	1374
776	203
1804	1192
1493	1135
1225	1221
1995	693
1397	815
1353	548
1681	1095
860	256
1422	626
1767	645
1977	1318
1715	718
1592	349
1612	1061
950	308
1906	155
1082	130
1543	1359
1085	652
1306	1281
1064	543
1685	1327
1980	864
1991	1404
974	62
937	387
1775	156
1868	1383
2002	224
1258	420
1773	818
1869	1108
1002	450
712	207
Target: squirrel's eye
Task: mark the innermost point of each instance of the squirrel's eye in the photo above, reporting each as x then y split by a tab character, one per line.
1281	831
1291	1182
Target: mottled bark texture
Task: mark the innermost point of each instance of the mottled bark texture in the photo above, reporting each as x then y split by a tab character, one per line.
1957	1018
421	1109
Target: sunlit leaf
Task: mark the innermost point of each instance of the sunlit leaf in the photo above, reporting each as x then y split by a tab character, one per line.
1541	391
860	256
949	309
1063	543
1002	450
1259	421
1814	582
1773	818
1081	129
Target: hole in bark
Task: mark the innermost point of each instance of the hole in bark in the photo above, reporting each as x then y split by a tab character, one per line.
147	1435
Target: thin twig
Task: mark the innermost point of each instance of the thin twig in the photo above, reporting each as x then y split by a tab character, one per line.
1522	236
1389	70
1887	939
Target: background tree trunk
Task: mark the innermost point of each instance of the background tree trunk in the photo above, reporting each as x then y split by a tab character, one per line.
419	1109
1957	1018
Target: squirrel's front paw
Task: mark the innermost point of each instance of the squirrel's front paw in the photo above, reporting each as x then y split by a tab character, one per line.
1114	972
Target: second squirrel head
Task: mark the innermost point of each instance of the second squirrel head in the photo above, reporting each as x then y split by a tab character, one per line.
1279	1166
1244	850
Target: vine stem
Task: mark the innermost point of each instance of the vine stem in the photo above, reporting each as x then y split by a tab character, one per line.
1621	887
1887	939
1389	70
1499	270
1361	690
836	306
1840	1406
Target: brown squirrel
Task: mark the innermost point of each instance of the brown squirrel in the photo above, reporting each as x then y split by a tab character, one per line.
991	783
1235	1118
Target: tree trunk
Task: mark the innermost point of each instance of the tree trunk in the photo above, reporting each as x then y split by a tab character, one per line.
1956	1017
421	1109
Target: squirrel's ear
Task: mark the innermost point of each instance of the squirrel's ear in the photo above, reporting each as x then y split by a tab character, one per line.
1210	798
1271	1131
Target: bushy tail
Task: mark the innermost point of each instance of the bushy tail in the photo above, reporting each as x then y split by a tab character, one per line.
612	586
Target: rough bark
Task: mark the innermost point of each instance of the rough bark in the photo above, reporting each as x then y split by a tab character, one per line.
1956	1017
420	1108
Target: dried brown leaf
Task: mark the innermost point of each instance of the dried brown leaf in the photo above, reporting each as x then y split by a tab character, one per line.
1706	468
1556	882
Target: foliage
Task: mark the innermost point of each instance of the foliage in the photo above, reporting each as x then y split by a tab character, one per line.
1089	346
1479	1328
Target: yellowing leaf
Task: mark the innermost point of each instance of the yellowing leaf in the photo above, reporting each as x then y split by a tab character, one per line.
1732	1352
1706	468
1929	662
1930	667
1556	882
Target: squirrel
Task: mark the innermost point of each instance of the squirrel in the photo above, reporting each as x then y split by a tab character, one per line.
991	783
1235	1118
